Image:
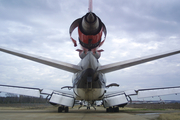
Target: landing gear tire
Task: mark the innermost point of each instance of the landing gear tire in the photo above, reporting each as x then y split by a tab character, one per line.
107	109
112	109
116	109
63	108
66	109
60	109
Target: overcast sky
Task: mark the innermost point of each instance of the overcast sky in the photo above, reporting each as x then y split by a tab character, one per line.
135	29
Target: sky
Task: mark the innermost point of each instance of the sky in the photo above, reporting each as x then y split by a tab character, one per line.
134	29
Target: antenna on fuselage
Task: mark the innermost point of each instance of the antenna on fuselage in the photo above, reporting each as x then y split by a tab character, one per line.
90	6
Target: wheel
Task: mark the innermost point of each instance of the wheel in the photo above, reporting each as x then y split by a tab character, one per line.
66	109
107	109
60	109
110	109
116	109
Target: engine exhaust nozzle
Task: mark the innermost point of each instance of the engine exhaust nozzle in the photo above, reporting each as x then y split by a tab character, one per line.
90	24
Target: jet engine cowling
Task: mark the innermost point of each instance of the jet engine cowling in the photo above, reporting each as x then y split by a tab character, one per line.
90	30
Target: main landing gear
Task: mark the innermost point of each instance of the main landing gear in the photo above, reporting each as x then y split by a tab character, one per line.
112	109
63	108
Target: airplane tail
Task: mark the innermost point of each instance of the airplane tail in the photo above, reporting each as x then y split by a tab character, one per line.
90	6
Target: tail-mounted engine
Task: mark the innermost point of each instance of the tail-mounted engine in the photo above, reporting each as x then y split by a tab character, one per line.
90	30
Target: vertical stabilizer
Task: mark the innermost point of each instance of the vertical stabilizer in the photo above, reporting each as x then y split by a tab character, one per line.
90	6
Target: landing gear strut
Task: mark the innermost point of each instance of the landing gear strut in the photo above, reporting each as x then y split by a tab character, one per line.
63	108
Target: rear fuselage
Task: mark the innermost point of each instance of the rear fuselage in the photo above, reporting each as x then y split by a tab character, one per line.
89	84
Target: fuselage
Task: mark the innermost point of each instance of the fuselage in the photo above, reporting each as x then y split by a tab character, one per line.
89	84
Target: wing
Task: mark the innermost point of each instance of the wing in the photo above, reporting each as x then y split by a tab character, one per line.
65	98
54	63
120	98
132	62
34	92
143	93
151	92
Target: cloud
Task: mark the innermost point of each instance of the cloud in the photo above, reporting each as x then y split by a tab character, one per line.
135	29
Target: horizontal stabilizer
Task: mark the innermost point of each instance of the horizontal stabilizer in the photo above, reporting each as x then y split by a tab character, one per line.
132	62
53	63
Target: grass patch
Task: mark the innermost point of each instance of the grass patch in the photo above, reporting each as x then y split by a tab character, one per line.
169	116
24	106
128	109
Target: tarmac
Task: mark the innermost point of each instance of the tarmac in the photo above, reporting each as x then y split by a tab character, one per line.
74	114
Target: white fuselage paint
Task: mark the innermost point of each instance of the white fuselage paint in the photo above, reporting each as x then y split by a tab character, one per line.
88	93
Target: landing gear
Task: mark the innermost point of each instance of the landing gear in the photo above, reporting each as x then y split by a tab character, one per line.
60	109
66	109
116	109
112	109
63	108
94	107
80	107
88	108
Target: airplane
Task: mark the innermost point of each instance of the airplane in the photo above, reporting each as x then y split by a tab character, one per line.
89	81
